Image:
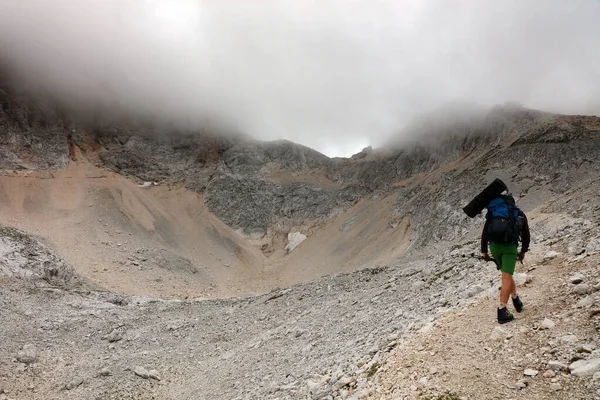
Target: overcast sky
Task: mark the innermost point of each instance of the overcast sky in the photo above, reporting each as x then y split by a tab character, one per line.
335	75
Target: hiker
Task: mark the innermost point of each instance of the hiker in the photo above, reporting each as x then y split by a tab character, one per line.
505	224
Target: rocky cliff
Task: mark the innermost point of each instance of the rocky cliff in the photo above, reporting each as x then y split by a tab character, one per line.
263	189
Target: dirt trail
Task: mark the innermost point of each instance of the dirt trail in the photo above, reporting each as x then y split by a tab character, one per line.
458	359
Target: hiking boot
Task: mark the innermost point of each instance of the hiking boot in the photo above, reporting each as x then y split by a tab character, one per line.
518	304
504	316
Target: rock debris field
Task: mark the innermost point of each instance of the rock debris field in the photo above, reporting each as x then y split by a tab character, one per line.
332	338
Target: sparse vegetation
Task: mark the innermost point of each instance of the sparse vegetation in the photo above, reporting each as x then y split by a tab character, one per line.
447	396
373	370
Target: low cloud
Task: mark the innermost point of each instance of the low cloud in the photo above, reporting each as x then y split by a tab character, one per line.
335	75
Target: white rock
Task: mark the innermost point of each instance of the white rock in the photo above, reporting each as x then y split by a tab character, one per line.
568	339
555	386
473	291
153	374
520	385
581	289
343	382
587	301
141	372
557	366
577	278
74	384
427	327
592	247
576	248
522	279
423	380
530	372
499	333
294	240
115	335
105	372
547	324
550	255
585	367
313	385
28	354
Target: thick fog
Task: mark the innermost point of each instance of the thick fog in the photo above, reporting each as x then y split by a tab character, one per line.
335	75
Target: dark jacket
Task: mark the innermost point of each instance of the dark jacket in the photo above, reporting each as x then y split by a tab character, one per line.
525	238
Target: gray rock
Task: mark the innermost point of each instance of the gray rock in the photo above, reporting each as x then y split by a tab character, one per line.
499	333
581	289
557	366
583	368
587	301
428	326
520	385
555	386
592	247
522	279
314	386
28	354
345	381
550	255
568	340
530	372
576	248
577	278
547	324
105	372
75	383
116	335
141	372
473	291
153	374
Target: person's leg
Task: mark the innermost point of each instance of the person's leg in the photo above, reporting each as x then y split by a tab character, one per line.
507	288
509	261
513	288
503	253
517	303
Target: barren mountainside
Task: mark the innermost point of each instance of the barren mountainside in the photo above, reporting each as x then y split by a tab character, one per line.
139	261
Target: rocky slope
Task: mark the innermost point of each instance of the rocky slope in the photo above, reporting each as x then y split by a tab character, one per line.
333	338
162	217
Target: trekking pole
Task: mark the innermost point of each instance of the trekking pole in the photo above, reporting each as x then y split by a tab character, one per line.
483	259
491	259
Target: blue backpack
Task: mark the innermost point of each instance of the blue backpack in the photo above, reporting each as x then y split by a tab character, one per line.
504	223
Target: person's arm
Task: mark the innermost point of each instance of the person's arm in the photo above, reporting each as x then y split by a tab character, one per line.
484	241
525	236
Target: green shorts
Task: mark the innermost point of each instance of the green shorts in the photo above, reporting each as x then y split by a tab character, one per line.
506	255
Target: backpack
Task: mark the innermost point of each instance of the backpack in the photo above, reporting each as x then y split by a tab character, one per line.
504	223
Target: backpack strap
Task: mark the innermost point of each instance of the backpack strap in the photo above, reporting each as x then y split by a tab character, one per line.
511	211
512	206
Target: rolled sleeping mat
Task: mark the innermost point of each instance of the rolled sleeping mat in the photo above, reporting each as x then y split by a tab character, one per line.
488	194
